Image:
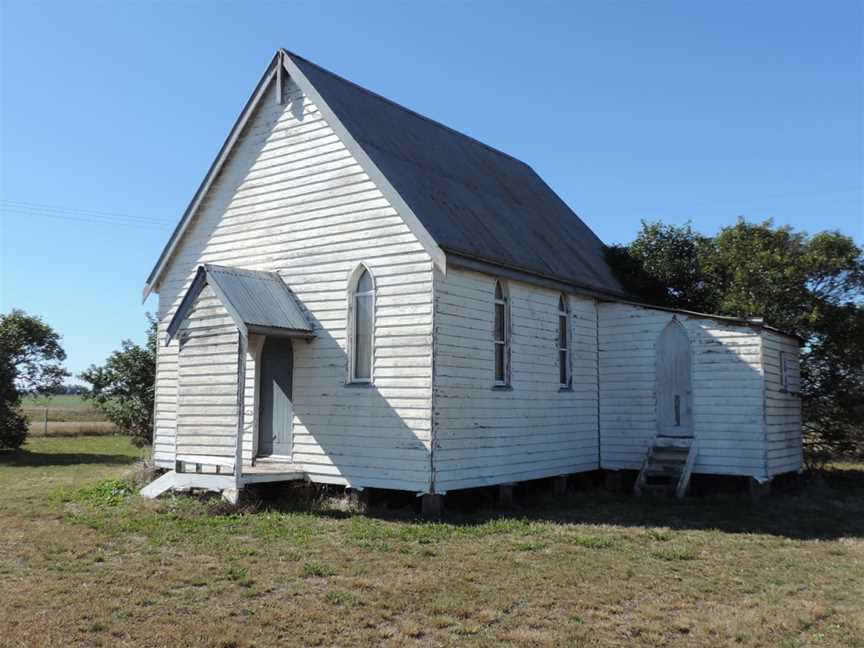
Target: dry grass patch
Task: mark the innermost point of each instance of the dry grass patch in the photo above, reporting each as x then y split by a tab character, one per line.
68	415
84	561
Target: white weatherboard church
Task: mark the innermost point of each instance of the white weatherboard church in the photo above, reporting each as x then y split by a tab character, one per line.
359	295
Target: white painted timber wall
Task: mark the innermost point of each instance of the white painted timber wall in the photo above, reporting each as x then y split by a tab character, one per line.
727	390
165	416
486	436
293	199
782	406
207	404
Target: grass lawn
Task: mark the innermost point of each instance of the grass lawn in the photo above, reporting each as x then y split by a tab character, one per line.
84	562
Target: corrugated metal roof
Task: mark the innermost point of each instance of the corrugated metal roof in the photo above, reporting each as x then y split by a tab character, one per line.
474	200
257	301
260	299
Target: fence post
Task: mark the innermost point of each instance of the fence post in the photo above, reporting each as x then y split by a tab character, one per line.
45	419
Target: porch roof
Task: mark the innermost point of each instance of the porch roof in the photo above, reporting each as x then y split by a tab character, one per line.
258	302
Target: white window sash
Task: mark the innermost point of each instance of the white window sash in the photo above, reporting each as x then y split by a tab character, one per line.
565	314
354	378
504	342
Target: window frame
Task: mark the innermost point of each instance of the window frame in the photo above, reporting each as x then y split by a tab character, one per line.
565	352
504	303
353	296
784	379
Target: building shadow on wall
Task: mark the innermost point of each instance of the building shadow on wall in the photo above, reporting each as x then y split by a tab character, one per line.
353	431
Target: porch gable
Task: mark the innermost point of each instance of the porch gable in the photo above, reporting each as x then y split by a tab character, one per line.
258	302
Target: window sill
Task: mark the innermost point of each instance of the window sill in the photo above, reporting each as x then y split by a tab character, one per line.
360	385
502	388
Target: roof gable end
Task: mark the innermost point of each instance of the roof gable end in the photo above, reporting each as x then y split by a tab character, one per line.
281	63
459	197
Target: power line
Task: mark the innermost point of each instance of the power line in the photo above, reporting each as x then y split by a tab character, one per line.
23	209
81	212
95	221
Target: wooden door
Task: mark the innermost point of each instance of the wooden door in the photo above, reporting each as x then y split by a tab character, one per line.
674	390
276	410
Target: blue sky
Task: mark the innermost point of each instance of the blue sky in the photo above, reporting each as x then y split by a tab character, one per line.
111	112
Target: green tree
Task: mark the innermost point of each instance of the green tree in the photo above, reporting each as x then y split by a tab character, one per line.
812	286
124	387
31	360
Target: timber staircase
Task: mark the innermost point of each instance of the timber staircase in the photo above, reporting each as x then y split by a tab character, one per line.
667	467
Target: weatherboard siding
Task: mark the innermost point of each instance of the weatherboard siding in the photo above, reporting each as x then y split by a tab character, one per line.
727	387
782	406
165	416
486	436
291	198
207	380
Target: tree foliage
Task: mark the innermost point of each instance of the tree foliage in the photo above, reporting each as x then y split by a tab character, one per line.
812	286
124	387
31	360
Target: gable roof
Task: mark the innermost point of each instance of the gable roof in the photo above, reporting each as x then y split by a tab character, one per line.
479	206
258	302
474	200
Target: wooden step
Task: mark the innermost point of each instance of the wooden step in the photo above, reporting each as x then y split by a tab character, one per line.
660	472
158	486
669	460
670	454
658	489
673	464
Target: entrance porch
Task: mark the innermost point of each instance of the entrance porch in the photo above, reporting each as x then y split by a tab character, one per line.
236	330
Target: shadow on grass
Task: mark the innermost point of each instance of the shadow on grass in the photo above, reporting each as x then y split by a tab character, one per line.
25	458
826	507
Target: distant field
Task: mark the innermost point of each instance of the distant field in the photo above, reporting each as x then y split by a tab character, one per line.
68	415
61	401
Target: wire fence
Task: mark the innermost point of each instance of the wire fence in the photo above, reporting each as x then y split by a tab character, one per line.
64	421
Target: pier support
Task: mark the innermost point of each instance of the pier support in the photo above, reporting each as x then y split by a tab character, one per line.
559	485
431	506
759	489
231	495
505	495
613	480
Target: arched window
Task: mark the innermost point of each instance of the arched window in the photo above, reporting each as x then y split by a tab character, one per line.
362	326
501	335
563	340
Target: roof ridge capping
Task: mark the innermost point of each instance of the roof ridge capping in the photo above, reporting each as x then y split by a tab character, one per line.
435	122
